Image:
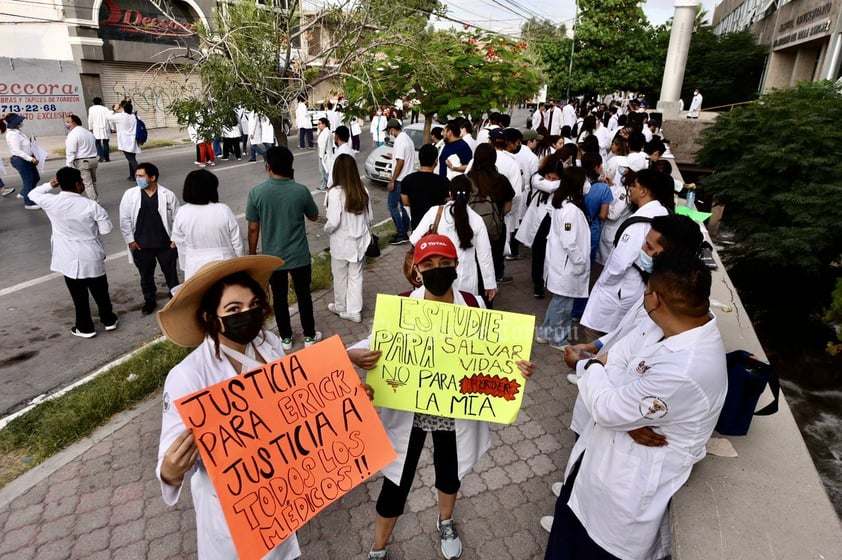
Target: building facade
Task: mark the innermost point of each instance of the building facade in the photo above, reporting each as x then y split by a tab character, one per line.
57	56
804	36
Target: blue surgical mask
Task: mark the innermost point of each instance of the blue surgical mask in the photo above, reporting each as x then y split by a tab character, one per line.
644	261
141	182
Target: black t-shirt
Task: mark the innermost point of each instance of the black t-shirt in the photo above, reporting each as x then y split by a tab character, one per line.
424	190
149	231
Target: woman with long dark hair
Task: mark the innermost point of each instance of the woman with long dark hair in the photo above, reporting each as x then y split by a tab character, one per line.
466	229
489	184
348	211
23	160
568	265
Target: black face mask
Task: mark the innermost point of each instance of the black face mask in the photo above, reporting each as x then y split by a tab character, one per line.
439	280
243	327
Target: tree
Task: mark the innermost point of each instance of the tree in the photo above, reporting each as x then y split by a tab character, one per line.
450	73
264	57
613	48
778	174
726	68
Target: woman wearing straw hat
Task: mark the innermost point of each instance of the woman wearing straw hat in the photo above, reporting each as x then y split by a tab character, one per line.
220	309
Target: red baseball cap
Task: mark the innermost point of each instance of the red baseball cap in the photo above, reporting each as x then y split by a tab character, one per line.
434	245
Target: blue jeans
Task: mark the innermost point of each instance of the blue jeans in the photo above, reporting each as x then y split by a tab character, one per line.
103	150
397	211
217	146
28	172
259	149
305	133
557	321
323	175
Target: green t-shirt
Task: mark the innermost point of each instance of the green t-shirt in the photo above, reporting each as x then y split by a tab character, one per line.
281	206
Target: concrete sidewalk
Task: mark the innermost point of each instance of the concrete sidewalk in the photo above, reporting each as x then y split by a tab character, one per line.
100	499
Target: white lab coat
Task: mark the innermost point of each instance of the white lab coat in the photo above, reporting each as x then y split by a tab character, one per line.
349	233
567	267
472	436
260	129
568	116
126	130
677	385
205	233
98	122
695	105
555	120
634	318
620	284
536	210
467	275
302	119
528	163
343	149
324	141
378	128
618	211
199	370
130	207
78	224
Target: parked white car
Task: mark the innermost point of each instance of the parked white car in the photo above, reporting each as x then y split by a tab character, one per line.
379	163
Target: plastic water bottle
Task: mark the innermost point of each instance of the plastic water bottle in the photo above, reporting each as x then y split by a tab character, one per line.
690	199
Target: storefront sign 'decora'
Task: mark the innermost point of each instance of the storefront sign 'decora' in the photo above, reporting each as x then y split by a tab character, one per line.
136	19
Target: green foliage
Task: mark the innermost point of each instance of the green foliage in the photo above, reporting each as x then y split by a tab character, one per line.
779	175
726	68
263	57
55	424
833	317
613	48
450	72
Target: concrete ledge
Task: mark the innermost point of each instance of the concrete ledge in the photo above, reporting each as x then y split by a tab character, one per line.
767	503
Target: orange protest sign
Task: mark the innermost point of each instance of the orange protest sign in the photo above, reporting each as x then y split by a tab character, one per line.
282	442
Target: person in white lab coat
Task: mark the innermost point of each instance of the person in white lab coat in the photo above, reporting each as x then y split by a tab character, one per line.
22	156
620	283
204	229
304	125
324	146
221	309
98	124
123	117
378	128
458	443
466	230
77	250
567	268
348	212
664	382
695	105
341	136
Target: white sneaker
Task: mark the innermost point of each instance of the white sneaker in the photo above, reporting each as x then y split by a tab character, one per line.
355	317
556	488
451	544
540	340
32	207
332	308
572	378
311	340
378	555
286	343
547	523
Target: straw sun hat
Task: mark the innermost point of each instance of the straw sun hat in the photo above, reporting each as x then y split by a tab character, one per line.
178	318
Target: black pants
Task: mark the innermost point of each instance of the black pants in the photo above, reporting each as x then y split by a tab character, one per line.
568	538
131	157
392	497
145	260
231	145
245	140
279	283
539	254
98	287
497	248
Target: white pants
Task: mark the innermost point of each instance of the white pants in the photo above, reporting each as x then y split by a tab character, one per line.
347	285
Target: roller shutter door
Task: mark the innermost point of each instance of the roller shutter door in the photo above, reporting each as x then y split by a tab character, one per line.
150	88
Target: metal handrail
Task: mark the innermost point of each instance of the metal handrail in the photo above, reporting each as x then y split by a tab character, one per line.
730	106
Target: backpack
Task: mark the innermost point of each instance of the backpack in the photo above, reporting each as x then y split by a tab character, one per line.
140	132
490	215
630	222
